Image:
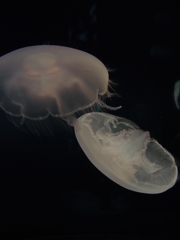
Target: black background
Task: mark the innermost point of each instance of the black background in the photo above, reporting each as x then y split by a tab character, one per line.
48	187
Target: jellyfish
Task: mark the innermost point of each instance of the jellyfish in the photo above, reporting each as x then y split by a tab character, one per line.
126	154
177	94
42	84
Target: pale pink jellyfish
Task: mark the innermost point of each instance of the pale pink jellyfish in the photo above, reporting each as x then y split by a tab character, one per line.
42	82
126	154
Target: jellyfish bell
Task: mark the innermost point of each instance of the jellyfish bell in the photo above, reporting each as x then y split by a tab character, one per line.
126	154
41	83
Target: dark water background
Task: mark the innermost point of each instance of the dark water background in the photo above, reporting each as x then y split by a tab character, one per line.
48	187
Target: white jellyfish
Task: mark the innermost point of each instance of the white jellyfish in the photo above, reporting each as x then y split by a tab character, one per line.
126	154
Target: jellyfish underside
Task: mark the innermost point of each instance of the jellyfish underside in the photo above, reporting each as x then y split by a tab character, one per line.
125	153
